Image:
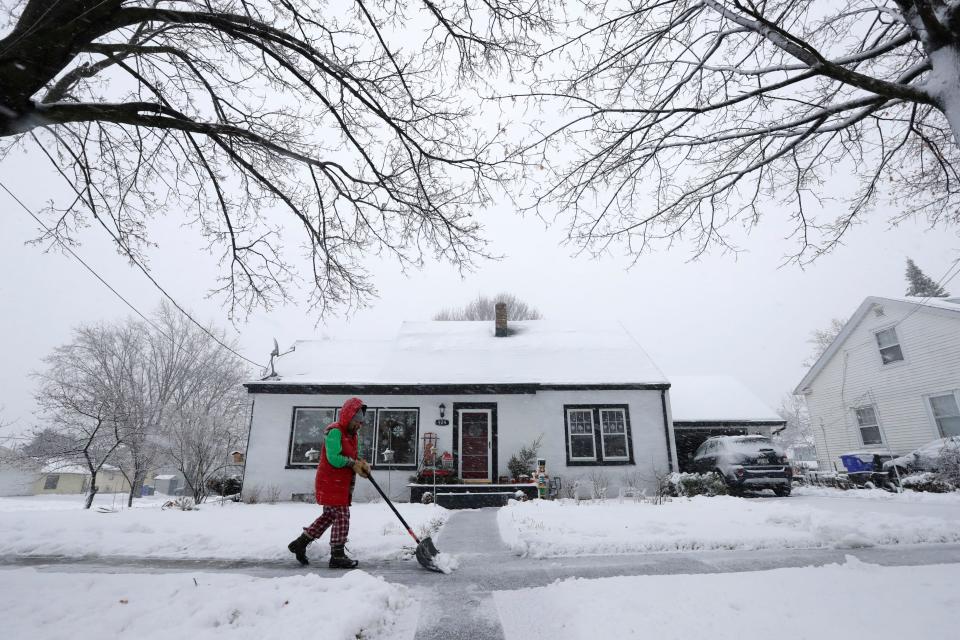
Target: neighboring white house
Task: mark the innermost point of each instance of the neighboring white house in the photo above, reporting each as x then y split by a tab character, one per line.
705	406
594	395
889	381
17	473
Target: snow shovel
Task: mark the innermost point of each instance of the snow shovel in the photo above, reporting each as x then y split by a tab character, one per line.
426	551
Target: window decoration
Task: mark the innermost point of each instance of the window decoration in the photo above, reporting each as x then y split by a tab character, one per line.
598	434
394	431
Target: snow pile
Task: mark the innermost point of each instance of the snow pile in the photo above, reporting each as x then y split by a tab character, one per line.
564	528
852	600
201	606
231	531
446	562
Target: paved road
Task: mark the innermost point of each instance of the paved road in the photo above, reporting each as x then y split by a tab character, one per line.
462	606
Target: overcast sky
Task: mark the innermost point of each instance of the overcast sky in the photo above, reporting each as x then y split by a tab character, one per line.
741	316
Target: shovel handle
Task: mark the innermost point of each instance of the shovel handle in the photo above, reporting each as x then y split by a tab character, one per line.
390	504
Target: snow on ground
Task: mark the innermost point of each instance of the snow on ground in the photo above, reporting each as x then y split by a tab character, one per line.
853	600
58	525
78	606
565	528
881	495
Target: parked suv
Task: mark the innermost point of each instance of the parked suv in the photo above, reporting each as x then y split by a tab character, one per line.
745	463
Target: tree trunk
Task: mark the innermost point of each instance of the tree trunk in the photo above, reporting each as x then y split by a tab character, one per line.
135	484
92	492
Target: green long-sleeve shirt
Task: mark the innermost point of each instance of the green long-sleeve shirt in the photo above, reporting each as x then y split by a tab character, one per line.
334	447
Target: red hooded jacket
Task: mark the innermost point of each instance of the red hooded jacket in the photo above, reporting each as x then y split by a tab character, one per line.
334	486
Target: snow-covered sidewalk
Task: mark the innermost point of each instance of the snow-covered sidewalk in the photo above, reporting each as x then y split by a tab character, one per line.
79	606
565	528
852	600
58	525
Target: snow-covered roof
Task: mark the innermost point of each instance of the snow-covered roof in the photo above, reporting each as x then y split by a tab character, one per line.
936	305
449	352
60	465
64	466
165	476
716	399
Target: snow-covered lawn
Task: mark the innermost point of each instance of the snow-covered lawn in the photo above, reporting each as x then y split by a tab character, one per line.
919	497
77	606
853	600
58	525
564	528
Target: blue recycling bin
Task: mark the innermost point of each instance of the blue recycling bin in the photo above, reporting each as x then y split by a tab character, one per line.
854	464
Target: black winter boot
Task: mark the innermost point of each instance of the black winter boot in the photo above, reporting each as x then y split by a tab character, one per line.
299	548
339	558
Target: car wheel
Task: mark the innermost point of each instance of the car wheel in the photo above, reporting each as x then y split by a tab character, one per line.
781	492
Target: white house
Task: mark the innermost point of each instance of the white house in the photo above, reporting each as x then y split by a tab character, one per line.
17	473
706	406
889	381
480	390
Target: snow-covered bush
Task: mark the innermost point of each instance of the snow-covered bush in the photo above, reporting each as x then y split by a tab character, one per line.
568	488
521	463
184	503
252	494
598	484
927	481
224	485
948	466
697	484
272	494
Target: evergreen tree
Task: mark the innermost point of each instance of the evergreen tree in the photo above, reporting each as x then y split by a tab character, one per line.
921	285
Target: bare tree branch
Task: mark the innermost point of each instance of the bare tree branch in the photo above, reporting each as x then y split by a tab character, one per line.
686	121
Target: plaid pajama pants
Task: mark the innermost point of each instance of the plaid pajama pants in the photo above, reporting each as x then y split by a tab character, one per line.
339	517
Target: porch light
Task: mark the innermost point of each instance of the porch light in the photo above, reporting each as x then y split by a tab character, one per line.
443	409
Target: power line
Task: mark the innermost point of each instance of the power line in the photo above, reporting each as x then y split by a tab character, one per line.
133	259
118	294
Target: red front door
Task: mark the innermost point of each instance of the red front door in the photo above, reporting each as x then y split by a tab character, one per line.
475	444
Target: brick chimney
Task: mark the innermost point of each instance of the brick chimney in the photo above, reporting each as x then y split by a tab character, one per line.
502	330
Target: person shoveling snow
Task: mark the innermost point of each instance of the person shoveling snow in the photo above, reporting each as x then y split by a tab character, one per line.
337	473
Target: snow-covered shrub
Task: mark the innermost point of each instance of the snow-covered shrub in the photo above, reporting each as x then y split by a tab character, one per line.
252	493
224	485
568	488
272	494
928	482
598	484
663	487
948	466
426	498
521	463
698	484
829	479
184	503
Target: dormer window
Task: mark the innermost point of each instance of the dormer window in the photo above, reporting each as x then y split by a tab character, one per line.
889	346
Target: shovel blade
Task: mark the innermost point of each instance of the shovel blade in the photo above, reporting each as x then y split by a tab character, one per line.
426	553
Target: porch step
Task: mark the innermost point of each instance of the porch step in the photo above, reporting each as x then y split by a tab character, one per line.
471	496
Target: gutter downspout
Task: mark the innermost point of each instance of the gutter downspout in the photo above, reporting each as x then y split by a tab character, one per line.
666	428
246	450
